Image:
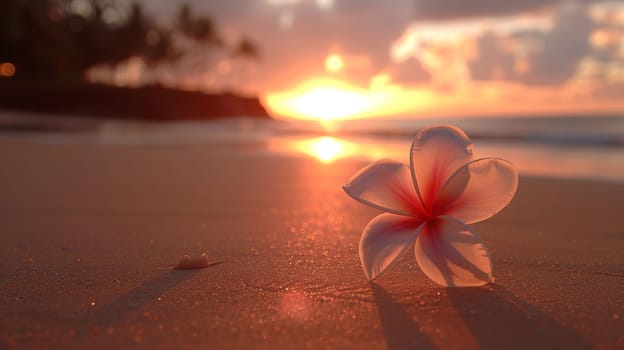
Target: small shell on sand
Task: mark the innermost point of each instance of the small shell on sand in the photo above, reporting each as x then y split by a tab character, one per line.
188	262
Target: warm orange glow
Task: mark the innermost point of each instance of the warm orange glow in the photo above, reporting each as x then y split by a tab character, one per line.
379	81
327	99
330	100
334	63
326	149
7	69
522	66
603	38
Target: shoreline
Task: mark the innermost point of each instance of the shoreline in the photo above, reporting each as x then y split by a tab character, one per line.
154	103
284	138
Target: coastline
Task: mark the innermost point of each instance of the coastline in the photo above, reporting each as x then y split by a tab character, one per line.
91	234
291	138
149	103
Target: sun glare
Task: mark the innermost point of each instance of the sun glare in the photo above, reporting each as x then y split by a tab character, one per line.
330	103
326	149
327	100
334	63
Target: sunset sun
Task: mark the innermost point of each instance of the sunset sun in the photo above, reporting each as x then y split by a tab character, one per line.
327	99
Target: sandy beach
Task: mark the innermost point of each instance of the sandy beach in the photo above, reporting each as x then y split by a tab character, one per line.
90	234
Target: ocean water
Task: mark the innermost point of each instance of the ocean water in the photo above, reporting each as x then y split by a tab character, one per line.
575	147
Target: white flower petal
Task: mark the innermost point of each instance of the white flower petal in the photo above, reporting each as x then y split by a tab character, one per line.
384	240
436	153
478	190
451	254
385	185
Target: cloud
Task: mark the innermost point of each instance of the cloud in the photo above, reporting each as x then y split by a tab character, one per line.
576	47
461	9
562	48
409	72
494	61
546	51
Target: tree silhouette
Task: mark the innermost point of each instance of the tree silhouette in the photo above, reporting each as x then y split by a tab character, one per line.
246	48
247	51
55	40
201	28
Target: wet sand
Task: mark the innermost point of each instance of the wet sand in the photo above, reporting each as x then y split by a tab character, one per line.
90	235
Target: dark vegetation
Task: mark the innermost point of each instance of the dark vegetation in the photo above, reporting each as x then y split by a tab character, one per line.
48	46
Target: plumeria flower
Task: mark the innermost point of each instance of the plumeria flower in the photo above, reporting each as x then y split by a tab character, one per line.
429	205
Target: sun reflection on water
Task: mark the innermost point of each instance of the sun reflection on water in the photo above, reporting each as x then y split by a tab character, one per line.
327	149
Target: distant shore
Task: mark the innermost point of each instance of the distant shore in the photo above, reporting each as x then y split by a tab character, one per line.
149	103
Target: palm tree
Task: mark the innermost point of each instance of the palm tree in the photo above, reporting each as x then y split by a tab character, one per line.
246	51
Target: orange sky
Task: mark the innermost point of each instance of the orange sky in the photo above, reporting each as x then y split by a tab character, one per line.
327	98
341	59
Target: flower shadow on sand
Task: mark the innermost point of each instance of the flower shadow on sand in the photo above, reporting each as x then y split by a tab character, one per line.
399	328
495	317
498	319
